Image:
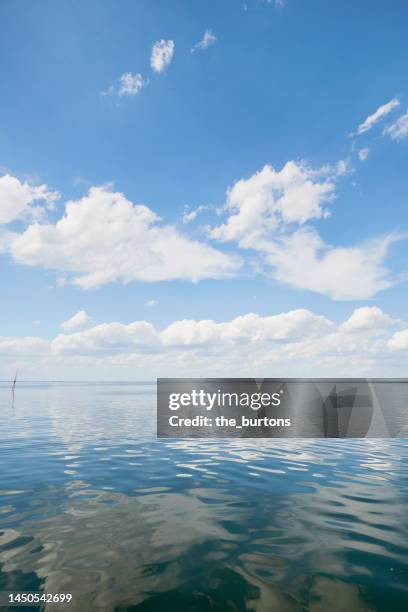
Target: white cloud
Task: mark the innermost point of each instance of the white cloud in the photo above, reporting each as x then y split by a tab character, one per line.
27	346
399	341
298	342
191	215
368	319
105	238
270	199
130	84
342	167
17	199
381	112
162	55
151	303
399	129
141	337
363	154
264	214
304	261
108	338
251	328
80	319
207	40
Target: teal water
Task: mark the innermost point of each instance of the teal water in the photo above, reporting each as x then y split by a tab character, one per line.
93	504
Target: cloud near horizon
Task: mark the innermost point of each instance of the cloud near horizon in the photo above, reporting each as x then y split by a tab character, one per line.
298	340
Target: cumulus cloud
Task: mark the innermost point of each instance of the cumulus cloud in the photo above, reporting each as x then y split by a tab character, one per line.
104	238
363	154
151	303
250	328
80	319
207	40
305	261
272	198
26	346
283	333
399	341
368	319
399	129
381	112
17	199
108	338
299	341
162	55
271	212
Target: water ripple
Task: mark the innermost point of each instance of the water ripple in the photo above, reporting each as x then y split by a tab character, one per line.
91	502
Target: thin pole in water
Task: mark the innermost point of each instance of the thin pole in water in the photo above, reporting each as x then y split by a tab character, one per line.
13	387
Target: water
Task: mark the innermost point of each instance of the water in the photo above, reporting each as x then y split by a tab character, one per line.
93	504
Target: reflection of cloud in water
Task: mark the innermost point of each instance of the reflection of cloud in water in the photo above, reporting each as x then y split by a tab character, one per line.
94	504
294	549
80	414
104	546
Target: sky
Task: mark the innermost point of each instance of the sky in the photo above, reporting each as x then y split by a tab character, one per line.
203	188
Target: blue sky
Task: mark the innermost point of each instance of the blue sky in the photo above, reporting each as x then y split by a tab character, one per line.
212	125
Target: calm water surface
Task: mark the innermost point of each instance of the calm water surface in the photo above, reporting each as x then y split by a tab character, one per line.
93	504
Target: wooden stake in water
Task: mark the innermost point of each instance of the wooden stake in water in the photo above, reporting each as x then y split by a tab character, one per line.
13	387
